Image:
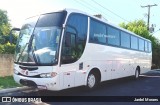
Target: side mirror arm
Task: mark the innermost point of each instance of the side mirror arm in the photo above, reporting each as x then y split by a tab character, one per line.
11	35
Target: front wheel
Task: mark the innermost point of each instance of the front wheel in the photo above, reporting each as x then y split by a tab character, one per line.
92	81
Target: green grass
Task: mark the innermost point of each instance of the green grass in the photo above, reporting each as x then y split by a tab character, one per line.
8	82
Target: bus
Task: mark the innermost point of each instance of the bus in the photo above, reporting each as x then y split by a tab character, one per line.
70	48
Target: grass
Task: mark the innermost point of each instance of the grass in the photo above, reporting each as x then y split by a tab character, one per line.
8	82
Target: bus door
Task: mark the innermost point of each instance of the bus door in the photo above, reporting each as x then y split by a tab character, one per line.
68	60
68	72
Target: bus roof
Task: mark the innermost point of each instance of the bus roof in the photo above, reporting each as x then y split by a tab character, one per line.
69	11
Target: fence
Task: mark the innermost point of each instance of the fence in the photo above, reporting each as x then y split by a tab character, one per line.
6	65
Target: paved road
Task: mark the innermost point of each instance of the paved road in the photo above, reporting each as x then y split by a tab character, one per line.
147	85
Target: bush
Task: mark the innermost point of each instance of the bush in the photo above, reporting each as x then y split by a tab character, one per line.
7	48
1	49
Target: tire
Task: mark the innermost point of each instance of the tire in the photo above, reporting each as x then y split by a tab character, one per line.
137	73
92	81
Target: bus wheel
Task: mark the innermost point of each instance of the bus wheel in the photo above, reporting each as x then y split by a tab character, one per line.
137	73
92	81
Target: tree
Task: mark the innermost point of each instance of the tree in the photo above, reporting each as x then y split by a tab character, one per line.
5	27
139	27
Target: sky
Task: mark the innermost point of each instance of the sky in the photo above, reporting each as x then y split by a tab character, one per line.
115	11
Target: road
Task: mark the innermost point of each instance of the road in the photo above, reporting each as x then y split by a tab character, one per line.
147	85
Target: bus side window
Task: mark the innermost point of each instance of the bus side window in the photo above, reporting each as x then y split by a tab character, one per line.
141	44
69	47
97	32
134	43
76	31
113	36
79	22
125	40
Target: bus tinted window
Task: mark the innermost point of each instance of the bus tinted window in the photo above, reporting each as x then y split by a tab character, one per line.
125	40
51	19
141	44
97	32
113	36
80	23
146	46
134	42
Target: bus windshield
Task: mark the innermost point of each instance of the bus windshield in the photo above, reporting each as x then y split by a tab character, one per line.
38	42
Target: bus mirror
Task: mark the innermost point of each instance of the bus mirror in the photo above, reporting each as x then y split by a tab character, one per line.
11	34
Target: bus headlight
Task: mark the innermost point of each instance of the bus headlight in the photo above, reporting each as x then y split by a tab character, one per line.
48	75
15	71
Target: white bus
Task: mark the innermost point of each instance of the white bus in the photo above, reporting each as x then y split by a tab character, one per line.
70	48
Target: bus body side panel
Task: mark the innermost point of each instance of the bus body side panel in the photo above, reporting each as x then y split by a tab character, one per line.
115	62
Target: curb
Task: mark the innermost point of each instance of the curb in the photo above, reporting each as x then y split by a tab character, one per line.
14	89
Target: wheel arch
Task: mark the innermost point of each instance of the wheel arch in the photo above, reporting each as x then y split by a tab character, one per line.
96	71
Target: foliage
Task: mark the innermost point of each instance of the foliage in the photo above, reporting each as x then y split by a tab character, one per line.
7	82
139	27
5	27
4	23
7	48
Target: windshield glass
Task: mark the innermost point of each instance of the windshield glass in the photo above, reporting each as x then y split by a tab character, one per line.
23	40
45	44
38	42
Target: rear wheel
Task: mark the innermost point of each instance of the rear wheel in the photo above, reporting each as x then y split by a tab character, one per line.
137	73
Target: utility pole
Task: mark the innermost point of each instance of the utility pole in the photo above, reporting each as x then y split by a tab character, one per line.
148	6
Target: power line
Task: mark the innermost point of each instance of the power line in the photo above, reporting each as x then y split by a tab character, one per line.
156	31
89	7
85	5
98	10
109	10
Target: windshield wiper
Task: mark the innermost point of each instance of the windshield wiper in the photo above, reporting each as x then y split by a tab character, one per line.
22	52
30	48
30	42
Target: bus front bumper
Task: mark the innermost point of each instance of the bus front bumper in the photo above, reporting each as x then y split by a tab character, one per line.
41	83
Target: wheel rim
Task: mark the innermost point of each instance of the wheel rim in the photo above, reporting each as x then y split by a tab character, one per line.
91	81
